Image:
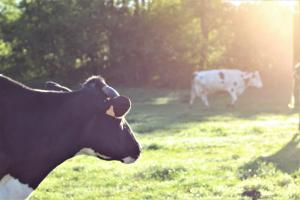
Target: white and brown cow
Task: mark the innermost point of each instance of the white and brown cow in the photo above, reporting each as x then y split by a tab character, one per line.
232	81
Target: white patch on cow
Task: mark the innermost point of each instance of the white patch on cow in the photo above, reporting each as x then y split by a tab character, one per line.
128	160
12	189
91	152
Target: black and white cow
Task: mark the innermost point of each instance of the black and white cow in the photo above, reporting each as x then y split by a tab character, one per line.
232	81
40	129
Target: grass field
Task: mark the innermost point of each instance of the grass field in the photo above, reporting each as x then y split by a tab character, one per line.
193	153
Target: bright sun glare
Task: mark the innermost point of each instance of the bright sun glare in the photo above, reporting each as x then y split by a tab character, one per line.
290	3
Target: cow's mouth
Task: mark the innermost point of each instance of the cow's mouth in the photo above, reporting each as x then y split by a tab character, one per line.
104	158
128	160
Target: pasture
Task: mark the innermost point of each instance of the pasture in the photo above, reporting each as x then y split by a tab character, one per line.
193	153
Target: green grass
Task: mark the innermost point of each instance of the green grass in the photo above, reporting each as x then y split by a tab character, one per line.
193	153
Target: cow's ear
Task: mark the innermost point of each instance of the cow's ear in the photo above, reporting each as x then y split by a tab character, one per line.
119	106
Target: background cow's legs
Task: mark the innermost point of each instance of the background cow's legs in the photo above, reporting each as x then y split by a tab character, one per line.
193	96
233	98
198	91
204	99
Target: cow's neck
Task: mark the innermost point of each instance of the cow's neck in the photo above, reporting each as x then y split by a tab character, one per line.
35	168
81	106
48	149
246	82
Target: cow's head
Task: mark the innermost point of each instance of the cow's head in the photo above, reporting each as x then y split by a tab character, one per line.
253	79
107	134
116	140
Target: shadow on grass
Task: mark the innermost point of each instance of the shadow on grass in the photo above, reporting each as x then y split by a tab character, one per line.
148	118
161	109
287	160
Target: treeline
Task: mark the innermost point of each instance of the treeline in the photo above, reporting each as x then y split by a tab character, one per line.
141	42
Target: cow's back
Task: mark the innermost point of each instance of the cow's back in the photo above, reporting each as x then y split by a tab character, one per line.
22	107
218	80
8	86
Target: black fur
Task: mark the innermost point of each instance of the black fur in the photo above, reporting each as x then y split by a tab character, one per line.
40	129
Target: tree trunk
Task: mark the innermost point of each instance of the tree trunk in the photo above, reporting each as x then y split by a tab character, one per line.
137	7
205	31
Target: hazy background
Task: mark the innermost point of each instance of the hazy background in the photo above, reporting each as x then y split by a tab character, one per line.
145	42
149	50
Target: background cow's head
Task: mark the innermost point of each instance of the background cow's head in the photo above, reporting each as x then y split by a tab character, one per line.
107	134
253	79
